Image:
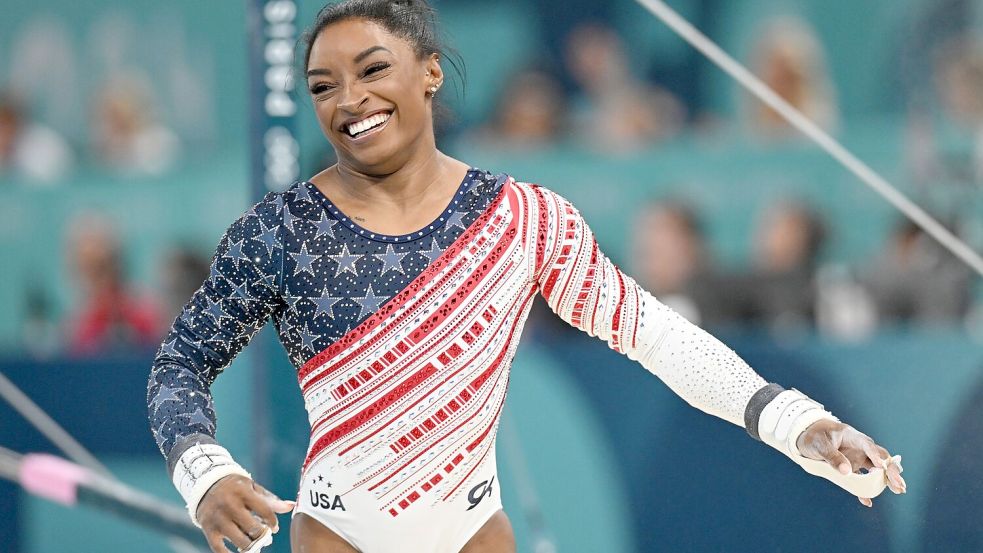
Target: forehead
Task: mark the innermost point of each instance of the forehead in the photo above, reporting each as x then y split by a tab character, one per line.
340	42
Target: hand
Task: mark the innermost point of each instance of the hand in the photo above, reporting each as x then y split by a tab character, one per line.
848	451
239	510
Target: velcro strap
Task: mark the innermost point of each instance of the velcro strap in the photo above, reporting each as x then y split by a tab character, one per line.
198	469
786	417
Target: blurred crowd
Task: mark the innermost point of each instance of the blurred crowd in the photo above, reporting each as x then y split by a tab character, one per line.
787	288
597	99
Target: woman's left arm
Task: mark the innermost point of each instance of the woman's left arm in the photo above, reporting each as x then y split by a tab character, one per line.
583	287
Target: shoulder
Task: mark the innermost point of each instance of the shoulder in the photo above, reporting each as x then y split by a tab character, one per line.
274	206
542	197
256	233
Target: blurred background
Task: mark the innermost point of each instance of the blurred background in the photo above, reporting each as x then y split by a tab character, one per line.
130	139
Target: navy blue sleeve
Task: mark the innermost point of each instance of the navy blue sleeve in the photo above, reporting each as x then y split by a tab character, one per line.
241	293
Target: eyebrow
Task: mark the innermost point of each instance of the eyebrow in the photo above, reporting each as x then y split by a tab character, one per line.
358	58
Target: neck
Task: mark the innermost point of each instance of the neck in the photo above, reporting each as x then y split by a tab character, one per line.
403	187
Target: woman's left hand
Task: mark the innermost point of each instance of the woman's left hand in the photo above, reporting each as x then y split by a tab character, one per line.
849	450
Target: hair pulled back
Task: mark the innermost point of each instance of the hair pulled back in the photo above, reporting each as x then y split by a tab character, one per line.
412	20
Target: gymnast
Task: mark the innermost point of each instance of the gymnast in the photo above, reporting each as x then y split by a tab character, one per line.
398	281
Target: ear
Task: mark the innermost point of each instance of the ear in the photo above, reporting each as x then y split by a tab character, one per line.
435	75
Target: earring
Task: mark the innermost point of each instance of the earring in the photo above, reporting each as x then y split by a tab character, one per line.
433	89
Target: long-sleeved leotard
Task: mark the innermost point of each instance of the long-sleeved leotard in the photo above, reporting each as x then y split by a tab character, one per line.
403	347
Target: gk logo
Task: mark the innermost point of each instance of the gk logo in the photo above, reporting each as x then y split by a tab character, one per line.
479	492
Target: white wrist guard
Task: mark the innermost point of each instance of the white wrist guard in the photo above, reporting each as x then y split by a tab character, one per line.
198	469
786	417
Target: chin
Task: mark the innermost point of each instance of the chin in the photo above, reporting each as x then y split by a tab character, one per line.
378	160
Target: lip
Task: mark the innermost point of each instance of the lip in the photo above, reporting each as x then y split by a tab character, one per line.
344	124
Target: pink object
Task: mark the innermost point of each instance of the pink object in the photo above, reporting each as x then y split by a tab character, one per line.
51	477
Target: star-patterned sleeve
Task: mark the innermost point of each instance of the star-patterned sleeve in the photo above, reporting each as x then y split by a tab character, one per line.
235	301
588	291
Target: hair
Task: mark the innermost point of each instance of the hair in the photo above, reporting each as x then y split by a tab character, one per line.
412	20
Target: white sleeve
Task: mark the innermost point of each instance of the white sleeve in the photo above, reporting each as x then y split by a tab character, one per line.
587	290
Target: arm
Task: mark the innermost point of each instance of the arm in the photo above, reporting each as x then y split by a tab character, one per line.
236	300
585	289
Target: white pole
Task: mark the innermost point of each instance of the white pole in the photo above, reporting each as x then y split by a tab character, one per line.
733	68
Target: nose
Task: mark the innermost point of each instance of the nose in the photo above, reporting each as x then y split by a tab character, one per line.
352	98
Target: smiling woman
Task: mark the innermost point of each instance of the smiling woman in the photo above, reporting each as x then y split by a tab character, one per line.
399	280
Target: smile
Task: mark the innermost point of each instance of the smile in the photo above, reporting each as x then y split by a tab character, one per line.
369	125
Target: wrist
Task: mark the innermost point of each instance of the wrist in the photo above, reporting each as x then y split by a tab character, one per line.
786	417
199	468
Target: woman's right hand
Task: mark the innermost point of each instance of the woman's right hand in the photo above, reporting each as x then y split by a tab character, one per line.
239	510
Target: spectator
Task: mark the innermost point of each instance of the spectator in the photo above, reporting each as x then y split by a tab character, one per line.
959	80
127	135
672	261
529	114
789	58
29	149
915	279
184	270
110	316
617	111
780	289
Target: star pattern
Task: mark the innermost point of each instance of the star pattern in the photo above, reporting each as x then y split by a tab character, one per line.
304	261
325	302
369	303
324	226
346	261
295	258
457	220
391	261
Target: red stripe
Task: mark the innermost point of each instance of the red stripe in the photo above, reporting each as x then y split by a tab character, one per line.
371	411
471	448
420	355
403	296
441	313
616	322
380	427
477	410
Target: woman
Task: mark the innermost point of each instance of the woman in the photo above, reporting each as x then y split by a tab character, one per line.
398	281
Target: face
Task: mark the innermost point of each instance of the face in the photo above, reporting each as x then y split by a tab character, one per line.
370	94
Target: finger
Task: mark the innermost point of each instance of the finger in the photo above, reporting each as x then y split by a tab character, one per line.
894	480
891	467
866	501
262	508
825	448
277	504
215	542
235	534
247	523
877	454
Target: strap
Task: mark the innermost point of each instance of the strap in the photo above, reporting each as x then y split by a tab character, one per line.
198	469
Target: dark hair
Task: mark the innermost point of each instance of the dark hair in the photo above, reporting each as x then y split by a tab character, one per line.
412	20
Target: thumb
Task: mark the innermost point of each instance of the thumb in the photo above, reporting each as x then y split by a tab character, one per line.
829	453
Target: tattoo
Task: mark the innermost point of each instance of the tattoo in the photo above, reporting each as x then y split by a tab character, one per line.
359	219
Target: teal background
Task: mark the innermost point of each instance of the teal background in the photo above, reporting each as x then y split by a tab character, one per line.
617	462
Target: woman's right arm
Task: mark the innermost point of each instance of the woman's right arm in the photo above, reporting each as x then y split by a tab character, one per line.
240	294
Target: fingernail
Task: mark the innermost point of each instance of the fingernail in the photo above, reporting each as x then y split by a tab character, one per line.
844	469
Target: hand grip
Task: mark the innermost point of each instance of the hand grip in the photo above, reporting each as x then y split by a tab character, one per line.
264	540
868	485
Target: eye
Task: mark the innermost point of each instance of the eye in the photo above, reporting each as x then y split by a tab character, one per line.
375	68
320	88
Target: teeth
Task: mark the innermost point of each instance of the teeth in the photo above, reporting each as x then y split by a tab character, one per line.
367	123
